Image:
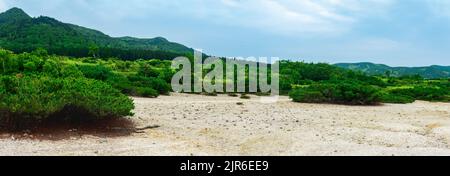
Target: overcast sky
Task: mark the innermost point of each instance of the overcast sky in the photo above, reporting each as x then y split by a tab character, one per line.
393	32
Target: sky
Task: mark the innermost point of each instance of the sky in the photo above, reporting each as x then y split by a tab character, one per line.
392	32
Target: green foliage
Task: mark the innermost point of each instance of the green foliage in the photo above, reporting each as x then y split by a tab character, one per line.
93	50
307	96
37	98
155	83
166	74
148	71
50	67
307	71
125	76
340	93
147	92
98	72
30	66
22	33
396	99
430	72
121	83
305	87
41	86
40	52
71	70
427	93
299	73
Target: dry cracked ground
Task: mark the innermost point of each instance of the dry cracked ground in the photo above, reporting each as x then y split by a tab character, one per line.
205	125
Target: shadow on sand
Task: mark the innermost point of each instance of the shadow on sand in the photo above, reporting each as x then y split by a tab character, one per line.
65	130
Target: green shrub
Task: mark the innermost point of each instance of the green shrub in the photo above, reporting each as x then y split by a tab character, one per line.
37	98
427	93
148	71
30	67
307	96
71	70
155	83
98	72
121	83
51	68
339	93
160	85
396	99
146	92
166	75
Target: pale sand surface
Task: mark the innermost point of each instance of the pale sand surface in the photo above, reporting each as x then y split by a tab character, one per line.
202	125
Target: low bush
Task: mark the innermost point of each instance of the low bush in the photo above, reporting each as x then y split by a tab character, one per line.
427	93
37	98
339	93
396	99
150	82
121	83
98	72
307	96
148	71
146	92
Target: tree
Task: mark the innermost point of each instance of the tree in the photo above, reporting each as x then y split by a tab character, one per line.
40	52
388	74
4	56
93	50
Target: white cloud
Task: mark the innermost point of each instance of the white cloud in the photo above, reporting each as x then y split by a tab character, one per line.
2	6
286	16
440	7
378	45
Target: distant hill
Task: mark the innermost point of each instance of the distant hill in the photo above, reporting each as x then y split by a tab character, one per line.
19	32
380	69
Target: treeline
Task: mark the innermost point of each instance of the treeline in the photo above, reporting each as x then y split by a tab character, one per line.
98	52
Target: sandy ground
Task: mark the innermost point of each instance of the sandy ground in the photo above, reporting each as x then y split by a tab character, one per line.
202	125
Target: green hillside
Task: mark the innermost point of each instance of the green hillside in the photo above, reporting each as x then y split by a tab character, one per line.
22	33
430	72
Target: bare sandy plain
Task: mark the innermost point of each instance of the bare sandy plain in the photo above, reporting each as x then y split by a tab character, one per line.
223	125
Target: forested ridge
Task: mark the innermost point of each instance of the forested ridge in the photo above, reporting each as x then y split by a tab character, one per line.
22	33
429	72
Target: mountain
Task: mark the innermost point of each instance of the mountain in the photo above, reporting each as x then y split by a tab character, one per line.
21	33
13	14
430	72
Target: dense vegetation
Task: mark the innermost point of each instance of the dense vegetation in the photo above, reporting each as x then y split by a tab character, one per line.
22	33
322	83
430	72
34	98
342	93
38	86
